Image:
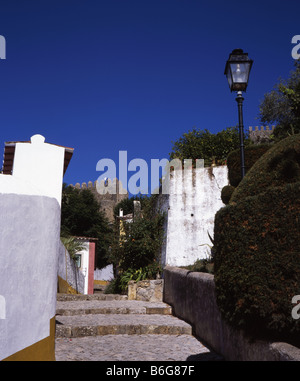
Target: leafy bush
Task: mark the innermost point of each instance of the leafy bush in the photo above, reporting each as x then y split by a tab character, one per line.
137	245
202	144
281	106
252	154
127	205
226	193
148	272
141	244
257	247
202	266
114	287
278	166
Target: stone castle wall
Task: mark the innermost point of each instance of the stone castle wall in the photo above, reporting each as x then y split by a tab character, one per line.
108	200
260	135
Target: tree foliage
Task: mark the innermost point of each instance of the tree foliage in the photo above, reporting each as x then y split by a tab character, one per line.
136	251
202	144
141	244
72	245
81	216
281	106
127	204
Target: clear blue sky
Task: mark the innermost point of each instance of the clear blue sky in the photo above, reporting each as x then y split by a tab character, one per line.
102	76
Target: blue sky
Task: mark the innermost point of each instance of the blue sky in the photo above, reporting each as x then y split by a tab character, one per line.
102	76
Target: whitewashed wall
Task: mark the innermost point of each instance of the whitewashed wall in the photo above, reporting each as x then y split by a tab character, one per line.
29	239
190	209
29	244
106	273
84	268
68	270
41	164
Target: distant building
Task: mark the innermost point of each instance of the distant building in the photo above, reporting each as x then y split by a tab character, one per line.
260	135
108	200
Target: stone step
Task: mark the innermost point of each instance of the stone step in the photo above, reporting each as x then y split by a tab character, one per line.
96	296
85	307
114	324
115	348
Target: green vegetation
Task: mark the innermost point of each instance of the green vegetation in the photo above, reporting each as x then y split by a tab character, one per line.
127	205
278	166
252	154
140	246
202	144
257	246
226	193
202	266
282	106
72	245
135	252
80	216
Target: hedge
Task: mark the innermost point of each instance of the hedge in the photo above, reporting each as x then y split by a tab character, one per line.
257	247
226	193
257	262
278	166
252	154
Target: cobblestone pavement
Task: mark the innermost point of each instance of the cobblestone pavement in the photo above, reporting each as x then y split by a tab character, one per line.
131	348
148	325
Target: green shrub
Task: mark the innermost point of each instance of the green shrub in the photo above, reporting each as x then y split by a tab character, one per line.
226	193
257	262
257	247
141	244
114	287
278	166
148	272
252	154
202	144
202	266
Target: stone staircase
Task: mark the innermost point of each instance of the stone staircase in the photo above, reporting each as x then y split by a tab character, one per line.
100	314
102	327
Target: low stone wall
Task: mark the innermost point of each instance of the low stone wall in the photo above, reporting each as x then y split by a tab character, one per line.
192	297
146	290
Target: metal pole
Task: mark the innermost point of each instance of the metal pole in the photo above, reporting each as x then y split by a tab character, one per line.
240	100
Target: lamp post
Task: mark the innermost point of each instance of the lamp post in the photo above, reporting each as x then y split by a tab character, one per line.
237	71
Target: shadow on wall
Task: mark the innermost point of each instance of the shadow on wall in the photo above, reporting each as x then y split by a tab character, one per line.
70	279
30	197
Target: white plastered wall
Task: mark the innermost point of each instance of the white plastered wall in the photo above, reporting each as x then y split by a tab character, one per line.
85	264
190	210
41	165
29	242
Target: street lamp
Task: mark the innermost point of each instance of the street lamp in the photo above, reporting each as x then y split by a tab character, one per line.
237	71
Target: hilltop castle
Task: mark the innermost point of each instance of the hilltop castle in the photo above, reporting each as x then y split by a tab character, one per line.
262	135
107	200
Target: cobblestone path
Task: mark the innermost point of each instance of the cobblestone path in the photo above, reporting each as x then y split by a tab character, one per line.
110	328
